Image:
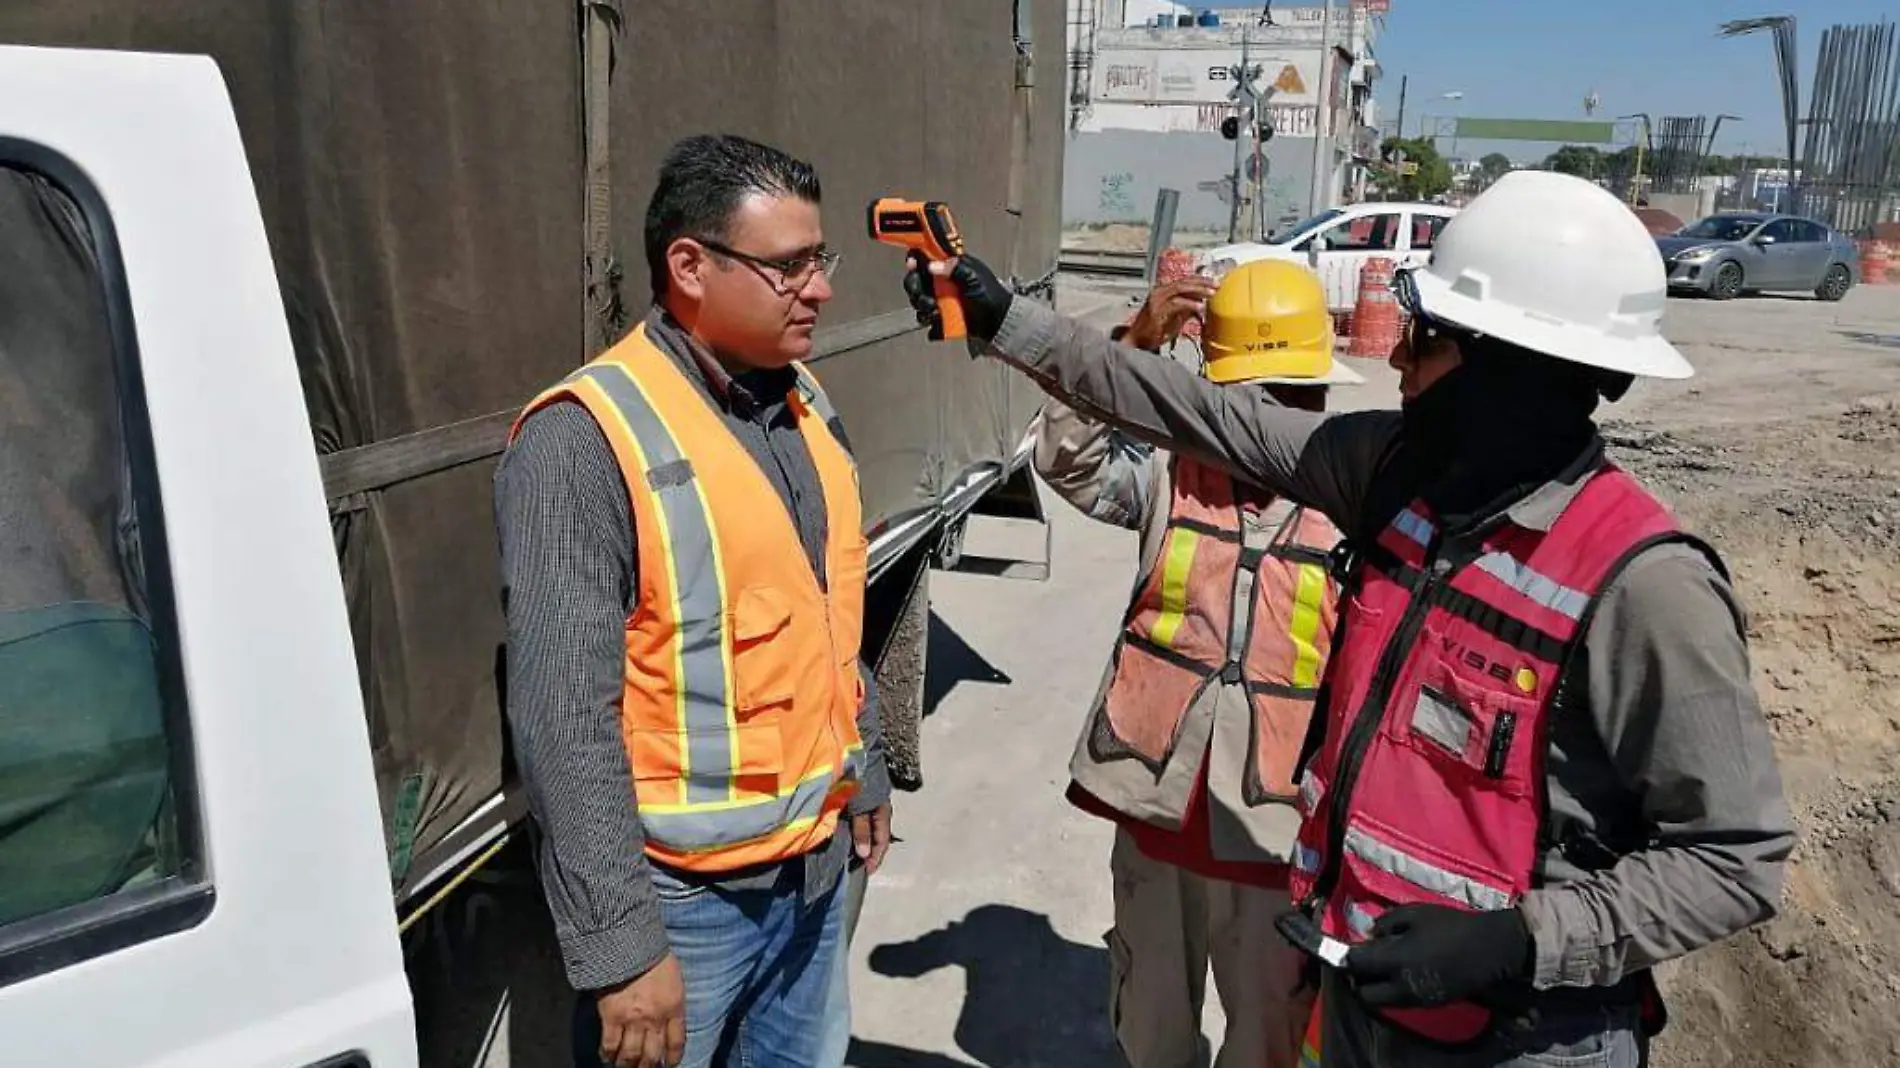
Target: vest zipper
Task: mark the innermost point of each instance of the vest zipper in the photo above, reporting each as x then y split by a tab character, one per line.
1366	724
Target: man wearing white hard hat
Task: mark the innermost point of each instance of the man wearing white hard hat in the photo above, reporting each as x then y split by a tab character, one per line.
1542	768
1190	744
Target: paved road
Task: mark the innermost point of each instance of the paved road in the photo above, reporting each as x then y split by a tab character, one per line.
981	940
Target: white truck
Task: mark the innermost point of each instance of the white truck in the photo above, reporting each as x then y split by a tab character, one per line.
225	842
1338	242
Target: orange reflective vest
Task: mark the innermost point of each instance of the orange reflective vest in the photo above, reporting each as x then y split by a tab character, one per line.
1246	605
742	686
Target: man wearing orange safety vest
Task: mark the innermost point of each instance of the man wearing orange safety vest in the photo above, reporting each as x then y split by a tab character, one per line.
684	561
1191	744
1541	768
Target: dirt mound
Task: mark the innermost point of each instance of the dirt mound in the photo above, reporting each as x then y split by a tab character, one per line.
1657	221
1805	514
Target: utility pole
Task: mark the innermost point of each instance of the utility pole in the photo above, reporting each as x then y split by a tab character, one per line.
1404	81
1636	183
1241	112
1245	120
1323	97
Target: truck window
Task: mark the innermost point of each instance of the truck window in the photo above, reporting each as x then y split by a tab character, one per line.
1367	233
1425	230
94	810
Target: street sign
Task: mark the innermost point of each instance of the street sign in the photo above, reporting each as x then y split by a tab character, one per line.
1408	169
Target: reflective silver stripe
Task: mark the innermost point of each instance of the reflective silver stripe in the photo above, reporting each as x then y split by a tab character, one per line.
1310	791
1307	860
691	549
1359	920
1545	591
701	828
1424	874
1414	526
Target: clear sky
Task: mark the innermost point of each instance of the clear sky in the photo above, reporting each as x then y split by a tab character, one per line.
1539	58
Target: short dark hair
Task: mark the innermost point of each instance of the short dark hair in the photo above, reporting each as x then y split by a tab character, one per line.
704	179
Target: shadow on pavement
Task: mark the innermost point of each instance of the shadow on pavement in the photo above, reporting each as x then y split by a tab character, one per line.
1885	341
1032	999
953	661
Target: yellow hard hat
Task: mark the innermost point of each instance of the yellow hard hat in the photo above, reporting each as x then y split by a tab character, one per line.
1269	323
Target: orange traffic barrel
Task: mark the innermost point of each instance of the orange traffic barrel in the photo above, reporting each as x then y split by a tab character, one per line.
1375	318
1873	262
1877	263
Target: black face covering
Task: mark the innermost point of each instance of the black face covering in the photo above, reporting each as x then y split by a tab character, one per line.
1502	423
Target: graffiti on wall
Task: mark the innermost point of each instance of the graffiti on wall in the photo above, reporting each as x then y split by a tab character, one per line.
1116	197
1130	80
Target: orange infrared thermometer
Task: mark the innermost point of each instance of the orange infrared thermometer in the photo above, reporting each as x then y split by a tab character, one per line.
927	226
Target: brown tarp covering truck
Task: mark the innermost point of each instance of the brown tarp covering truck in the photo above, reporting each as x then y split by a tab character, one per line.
454	194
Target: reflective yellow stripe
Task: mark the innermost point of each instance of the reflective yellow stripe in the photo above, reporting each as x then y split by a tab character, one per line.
710	826
1175	570
1304	625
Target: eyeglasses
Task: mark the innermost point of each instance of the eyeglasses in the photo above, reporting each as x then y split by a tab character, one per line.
1421	326
793	275
1405	289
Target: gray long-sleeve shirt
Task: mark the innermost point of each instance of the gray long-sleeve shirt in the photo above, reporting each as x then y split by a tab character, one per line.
1661	764
569	584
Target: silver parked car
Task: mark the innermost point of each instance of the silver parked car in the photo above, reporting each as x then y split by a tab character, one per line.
1731	253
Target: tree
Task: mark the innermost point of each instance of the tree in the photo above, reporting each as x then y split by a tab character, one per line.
1580	160
1494	166
1432	177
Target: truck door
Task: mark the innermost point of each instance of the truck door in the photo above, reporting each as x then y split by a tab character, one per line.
1340	252
193	861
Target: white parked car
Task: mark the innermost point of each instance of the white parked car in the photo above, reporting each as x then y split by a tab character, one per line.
1338	242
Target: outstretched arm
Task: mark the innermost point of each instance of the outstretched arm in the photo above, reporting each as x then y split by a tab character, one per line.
1322	461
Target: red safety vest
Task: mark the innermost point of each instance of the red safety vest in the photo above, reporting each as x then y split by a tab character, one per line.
1429	786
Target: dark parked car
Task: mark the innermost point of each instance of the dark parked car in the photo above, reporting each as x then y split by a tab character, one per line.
1732	253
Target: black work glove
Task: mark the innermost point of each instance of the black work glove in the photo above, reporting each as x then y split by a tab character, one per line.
1425	955
986	299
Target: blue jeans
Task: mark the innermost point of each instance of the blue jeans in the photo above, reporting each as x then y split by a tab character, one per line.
764	971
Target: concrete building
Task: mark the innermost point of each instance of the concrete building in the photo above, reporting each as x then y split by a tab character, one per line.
1146	104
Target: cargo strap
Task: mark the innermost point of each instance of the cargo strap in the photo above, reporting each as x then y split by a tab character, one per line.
603	315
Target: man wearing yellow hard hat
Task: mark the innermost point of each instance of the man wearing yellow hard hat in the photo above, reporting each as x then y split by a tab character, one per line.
1191	744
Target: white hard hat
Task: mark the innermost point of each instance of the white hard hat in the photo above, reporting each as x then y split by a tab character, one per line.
1556	265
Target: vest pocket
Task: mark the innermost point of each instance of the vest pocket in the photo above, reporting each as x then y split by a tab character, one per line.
1477	731
1146	703
763	672
751	754
1279	730
1382	869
